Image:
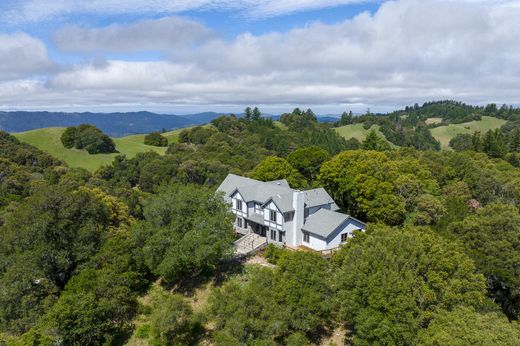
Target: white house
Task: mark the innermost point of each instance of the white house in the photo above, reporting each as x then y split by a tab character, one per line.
285	216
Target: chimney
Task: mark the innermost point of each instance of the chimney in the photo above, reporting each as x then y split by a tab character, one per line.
299	213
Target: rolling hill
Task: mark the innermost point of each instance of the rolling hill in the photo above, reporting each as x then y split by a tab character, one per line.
48	140
356	131
445	133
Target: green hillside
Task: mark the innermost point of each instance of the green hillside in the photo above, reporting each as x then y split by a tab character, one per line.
356	131
48	140
445	133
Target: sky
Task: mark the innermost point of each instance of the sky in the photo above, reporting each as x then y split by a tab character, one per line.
188	56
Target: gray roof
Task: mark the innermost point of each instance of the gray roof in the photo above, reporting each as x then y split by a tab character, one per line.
324	222
318	197
278	191
254	190
281	182
283	202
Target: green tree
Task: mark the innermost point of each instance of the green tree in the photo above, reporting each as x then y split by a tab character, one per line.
462	142
464	326
173	321
88	137
390	282
353	144
43	242
374	142
156	139
514	143
187	230
281	306
308	161
248	114
346	118
255	114
373	187
494	144
275	168
68	137
491	237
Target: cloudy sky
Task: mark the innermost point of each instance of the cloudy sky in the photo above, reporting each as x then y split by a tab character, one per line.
218	55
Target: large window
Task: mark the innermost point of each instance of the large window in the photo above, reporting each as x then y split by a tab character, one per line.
344	237
273	235
239	205
306	237
272	215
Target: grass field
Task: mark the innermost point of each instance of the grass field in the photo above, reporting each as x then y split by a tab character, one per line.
445	133
430	121
48	140
356	131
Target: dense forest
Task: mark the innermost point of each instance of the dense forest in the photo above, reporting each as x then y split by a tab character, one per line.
83	254
411	126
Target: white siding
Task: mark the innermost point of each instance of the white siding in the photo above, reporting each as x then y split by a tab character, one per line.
334	240
315	243
279	217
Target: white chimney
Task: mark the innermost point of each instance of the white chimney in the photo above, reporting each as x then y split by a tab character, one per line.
299	213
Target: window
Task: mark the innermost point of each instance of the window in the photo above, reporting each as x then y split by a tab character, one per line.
239	205
289	216
344	237
306	213
272	215
306	237
239	222
280	236
273	234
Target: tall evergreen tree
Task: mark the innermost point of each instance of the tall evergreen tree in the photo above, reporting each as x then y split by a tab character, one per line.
256	114
248	113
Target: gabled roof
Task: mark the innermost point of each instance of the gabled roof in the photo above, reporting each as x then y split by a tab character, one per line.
317	197
283	202
324	222
254	190
277	191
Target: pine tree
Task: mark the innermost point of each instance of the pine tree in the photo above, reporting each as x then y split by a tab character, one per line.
514	144
247	113
256	114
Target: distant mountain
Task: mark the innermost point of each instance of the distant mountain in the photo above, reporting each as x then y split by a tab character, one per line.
114	124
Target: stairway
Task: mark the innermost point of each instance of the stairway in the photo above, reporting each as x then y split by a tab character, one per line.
249	243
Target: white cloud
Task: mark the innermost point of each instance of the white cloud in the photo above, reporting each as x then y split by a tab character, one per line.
165	34
22	55
38	10
409	51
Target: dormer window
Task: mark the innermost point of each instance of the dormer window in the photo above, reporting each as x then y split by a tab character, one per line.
272	215
239	205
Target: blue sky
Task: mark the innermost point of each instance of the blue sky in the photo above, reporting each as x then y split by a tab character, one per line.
188	56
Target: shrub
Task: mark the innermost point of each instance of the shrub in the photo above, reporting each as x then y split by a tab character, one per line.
156	139
89	138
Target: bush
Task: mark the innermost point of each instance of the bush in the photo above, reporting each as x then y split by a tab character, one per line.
156	139
272	253
89	138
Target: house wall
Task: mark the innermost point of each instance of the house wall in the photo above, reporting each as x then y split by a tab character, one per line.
277	226
239	212
334	240
279	217
315	242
